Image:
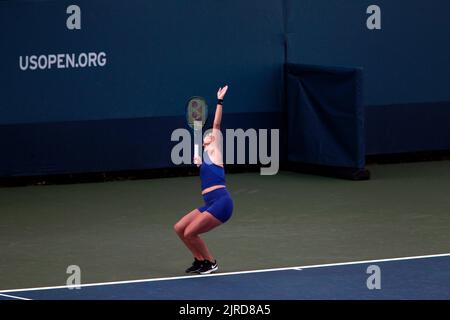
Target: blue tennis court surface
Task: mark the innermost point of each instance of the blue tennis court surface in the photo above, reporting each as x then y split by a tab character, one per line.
426	277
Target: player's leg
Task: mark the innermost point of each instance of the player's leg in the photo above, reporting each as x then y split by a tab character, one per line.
203	223
180	227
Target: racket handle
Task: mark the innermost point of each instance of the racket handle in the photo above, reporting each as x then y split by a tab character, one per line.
196	150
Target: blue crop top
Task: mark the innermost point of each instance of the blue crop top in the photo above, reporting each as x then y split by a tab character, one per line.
210	173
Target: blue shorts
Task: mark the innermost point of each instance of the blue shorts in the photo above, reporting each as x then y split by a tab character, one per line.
218	202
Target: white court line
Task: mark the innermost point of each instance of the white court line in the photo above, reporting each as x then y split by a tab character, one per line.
14	297
230	273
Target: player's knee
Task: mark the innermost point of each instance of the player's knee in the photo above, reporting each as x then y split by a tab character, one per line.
178	228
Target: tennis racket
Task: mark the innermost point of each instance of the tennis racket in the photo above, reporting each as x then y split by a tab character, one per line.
196	115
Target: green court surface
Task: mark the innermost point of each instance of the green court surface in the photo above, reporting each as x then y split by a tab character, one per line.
122	230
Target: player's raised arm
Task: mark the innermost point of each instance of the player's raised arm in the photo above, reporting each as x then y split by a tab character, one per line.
218	115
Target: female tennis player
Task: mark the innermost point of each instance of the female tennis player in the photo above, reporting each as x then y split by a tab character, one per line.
218	203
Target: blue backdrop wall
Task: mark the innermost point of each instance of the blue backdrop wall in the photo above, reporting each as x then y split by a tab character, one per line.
406	64
158	54
155	55
407	61
120	116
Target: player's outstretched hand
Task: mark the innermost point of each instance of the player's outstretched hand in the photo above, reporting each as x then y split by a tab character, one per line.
221	93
